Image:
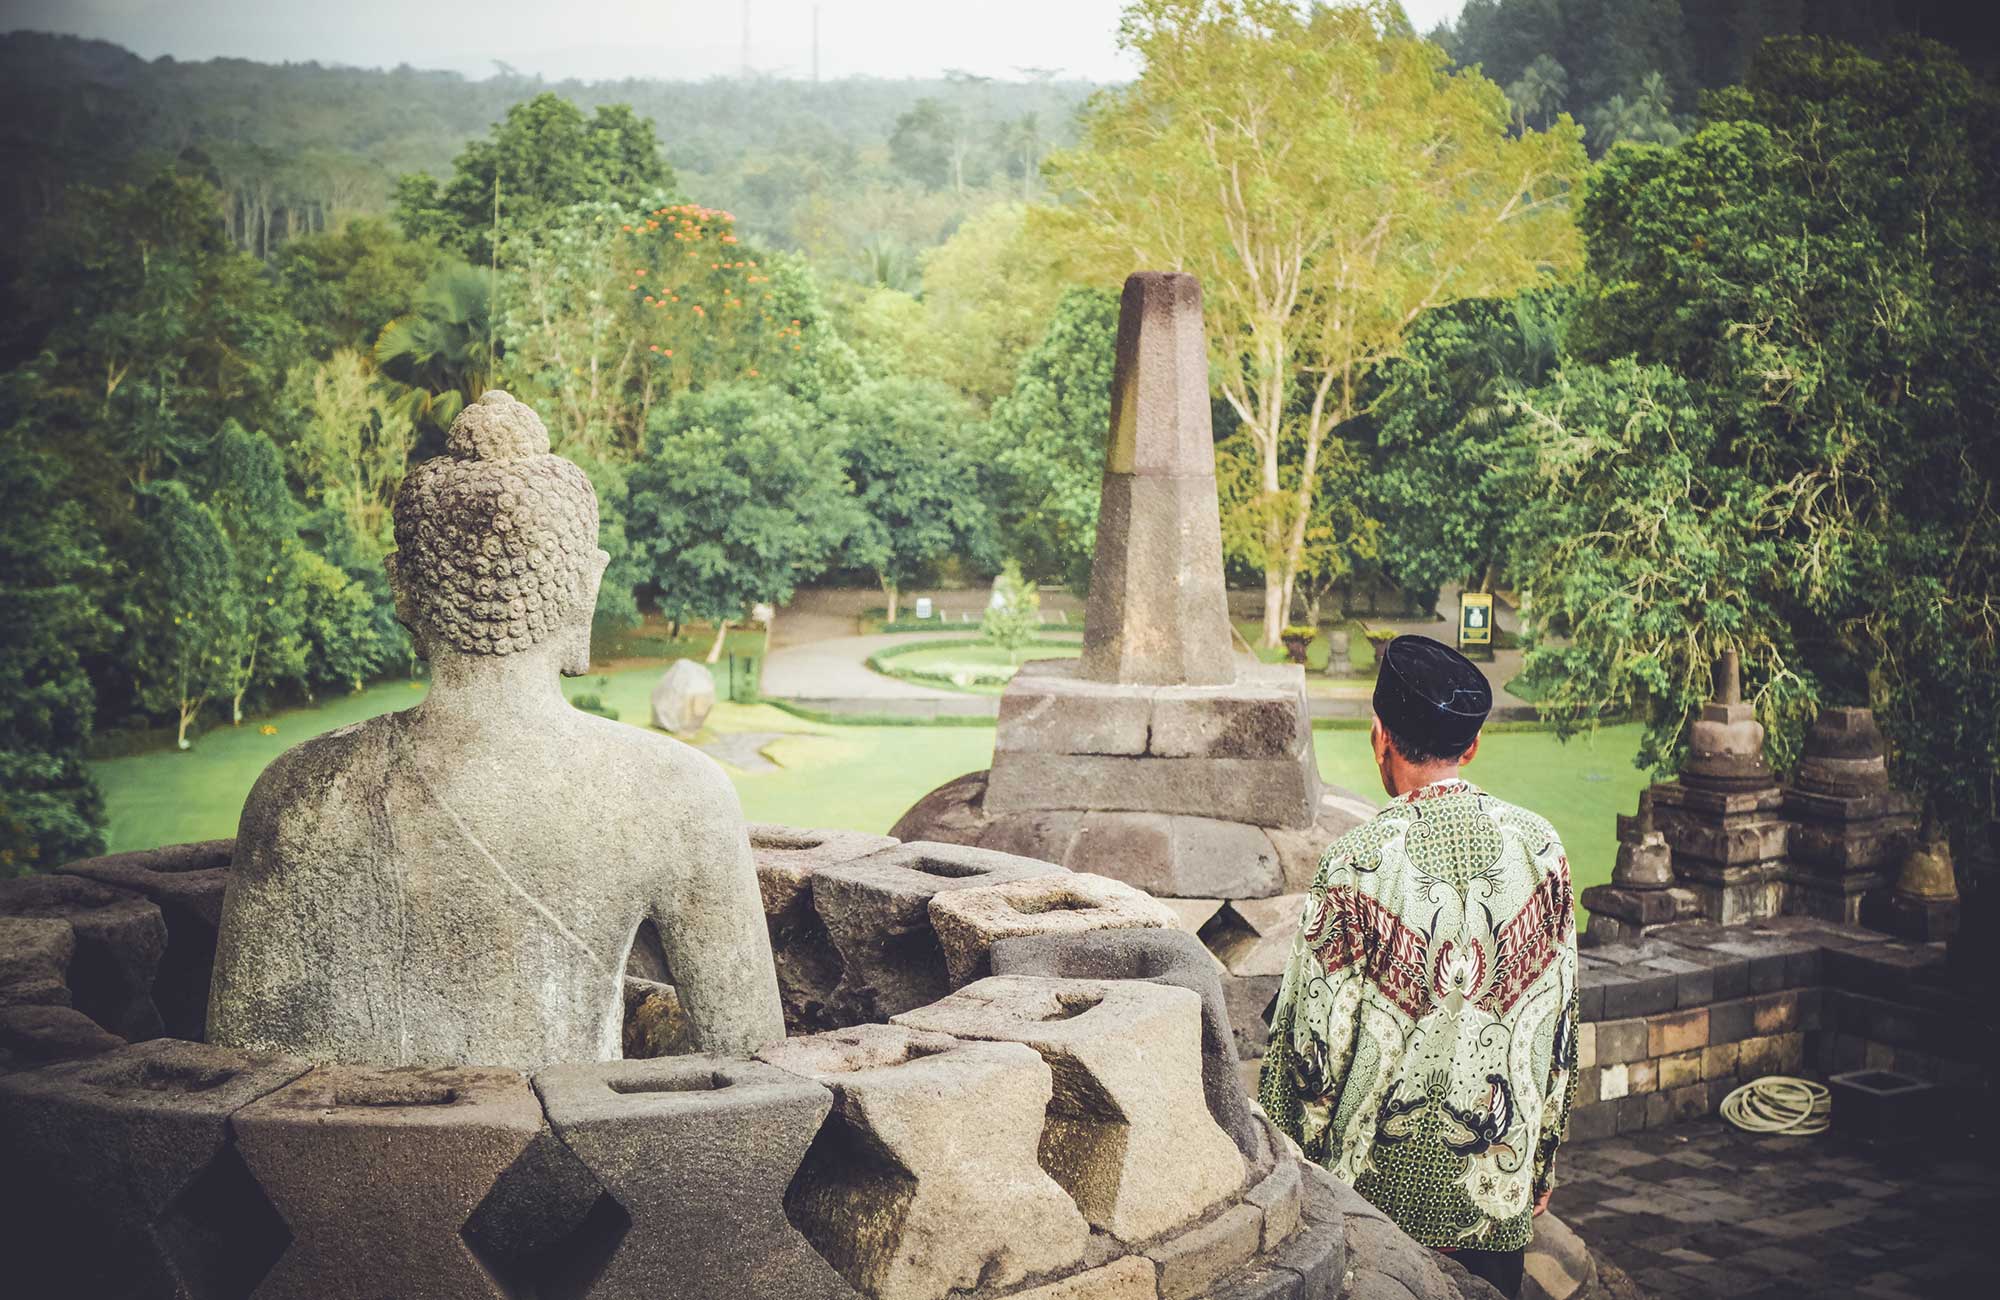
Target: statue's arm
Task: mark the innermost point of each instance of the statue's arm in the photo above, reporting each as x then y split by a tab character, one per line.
710	916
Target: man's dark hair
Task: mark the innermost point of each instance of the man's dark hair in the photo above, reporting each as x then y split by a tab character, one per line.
1419	755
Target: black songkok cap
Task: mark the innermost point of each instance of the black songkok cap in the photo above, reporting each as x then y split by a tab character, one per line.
1431	696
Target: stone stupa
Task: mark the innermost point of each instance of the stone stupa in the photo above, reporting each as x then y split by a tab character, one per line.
1161	757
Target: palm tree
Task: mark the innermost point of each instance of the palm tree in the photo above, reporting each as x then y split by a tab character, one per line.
1647	119
1540	92
443	351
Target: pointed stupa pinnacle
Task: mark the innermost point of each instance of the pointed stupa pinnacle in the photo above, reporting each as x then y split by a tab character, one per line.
1158	614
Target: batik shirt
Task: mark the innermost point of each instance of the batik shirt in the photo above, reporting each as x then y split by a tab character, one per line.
1424	1045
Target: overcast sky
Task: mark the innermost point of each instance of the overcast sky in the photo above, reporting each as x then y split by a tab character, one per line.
619	38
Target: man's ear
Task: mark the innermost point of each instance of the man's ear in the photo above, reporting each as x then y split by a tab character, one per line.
1470	753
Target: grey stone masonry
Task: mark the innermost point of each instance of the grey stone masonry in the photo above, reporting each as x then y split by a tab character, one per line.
1238	753
1158	612
1672	1023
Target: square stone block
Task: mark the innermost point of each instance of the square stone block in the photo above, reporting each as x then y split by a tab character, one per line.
376	1171
968	922
877	913
1264	714
1679	1031
1261	792
1129	1133
1049	709
696	1155
186	882
127	1155
1164	957
120	938
893	1196
787	857
1178	857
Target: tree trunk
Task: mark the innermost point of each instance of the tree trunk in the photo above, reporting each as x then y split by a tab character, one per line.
721	631
189	708
1274	606
890	589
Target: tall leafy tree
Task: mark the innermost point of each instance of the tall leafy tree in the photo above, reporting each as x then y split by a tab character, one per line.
253	503
351	443
1048	437
1329	179
1438	478
186	615
1776	432
740	498
51	617
148	330
544	157
345	285
909	450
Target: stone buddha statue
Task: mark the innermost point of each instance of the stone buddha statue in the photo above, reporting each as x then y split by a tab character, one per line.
462	882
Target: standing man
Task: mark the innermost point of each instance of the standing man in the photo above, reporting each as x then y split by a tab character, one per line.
1424	1045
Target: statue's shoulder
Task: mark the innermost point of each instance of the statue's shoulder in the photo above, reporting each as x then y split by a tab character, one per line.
305	767
309	789
650	757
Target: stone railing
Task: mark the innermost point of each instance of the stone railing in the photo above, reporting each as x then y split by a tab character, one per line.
1004	1079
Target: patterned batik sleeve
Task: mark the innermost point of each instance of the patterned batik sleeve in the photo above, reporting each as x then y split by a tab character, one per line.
1313	1029
1561	1089
1561	1093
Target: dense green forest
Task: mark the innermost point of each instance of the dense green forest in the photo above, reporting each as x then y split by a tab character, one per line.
854	171
1635	69
1722	385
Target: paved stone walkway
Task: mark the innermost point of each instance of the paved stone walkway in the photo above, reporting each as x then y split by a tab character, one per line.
744	750
837	668
1701	1210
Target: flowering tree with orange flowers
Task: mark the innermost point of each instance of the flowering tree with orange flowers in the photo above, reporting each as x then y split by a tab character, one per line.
614	311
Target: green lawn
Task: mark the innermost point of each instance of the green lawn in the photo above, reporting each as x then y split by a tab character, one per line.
860	778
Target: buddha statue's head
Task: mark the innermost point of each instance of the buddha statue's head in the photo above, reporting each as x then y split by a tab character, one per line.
496	543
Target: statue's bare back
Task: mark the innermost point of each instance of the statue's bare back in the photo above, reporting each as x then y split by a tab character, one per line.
462	882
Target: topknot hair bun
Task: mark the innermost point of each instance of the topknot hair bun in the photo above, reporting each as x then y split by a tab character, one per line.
497	427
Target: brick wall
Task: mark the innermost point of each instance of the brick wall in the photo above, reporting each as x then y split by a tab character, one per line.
1674	1022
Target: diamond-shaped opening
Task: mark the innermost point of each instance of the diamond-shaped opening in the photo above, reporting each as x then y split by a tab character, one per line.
221	1234
648	958
849	1198
547	1228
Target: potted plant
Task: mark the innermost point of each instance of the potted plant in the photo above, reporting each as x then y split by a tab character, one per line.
1298	638
1378	641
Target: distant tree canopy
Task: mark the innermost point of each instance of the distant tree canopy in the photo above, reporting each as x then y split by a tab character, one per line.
545	157
1593	58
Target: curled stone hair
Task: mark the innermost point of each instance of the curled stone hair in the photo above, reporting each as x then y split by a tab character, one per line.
494	539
